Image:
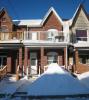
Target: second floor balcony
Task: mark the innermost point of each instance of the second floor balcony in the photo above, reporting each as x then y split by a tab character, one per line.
11	36
33	36
44	35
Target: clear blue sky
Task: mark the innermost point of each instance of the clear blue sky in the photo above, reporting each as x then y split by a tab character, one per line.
36	9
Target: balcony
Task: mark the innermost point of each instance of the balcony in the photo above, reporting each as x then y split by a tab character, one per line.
33	36
4	36
44	35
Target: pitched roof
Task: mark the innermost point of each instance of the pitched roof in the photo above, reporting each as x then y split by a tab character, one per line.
37	22
4	10
48	13
77	12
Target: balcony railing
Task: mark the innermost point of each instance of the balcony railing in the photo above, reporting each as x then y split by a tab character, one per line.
33	35
11	35
44	35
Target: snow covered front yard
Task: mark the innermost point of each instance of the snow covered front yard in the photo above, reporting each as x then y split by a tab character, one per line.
54	84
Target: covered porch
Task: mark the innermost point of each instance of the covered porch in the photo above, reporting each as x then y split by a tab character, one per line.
38	55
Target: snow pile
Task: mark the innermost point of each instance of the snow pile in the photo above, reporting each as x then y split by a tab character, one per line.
84	78
56	81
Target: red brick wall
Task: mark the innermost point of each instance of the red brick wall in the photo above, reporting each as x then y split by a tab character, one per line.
9	63
25	58
80	68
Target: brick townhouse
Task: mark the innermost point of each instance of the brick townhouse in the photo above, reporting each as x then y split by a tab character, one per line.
33	44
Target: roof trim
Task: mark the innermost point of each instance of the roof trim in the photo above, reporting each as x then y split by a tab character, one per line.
48	13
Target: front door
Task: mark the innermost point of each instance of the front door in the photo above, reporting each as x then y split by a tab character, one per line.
33	60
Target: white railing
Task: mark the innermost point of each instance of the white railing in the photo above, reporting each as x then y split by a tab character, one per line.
44	35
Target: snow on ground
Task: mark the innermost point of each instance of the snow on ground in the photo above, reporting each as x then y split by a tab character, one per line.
56	81
84	79
7	86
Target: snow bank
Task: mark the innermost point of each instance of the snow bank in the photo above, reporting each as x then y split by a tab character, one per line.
9	87
56	81
84	78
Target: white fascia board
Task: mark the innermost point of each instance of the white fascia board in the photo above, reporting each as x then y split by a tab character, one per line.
44	44
82	44
47	14
10	41
75	12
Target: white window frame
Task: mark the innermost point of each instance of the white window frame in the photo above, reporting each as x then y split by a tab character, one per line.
82	38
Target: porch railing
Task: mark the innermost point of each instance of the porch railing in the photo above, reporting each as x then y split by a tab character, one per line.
3	71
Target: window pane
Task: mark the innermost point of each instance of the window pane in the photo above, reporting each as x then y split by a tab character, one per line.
81	33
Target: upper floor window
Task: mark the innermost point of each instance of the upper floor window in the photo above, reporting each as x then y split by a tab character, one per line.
81	35
51	34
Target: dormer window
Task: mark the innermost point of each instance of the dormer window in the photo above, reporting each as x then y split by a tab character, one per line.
81	35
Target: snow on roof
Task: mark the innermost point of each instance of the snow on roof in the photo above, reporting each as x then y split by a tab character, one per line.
35	22
56	81
84	78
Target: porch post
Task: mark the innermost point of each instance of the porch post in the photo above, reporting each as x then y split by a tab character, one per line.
65	57
76	60
9	63
29	61
20	58
42	60
25	59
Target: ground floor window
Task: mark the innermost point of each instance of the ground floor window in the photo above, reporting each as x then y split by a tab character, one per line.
3	61
52	57
84	58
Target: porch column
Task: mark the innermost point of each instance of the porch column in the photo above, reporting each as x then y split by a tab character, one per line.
42	60
9	64
20	57
25	59
65	57
29	61
76	60
60	60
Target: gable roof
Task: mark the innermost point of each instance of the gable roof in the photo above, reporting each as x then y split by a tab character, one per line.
77	12
48	13
4	10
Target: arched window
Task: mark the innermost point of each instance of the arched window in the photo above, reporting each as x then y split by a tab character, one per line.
52	57
51	34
